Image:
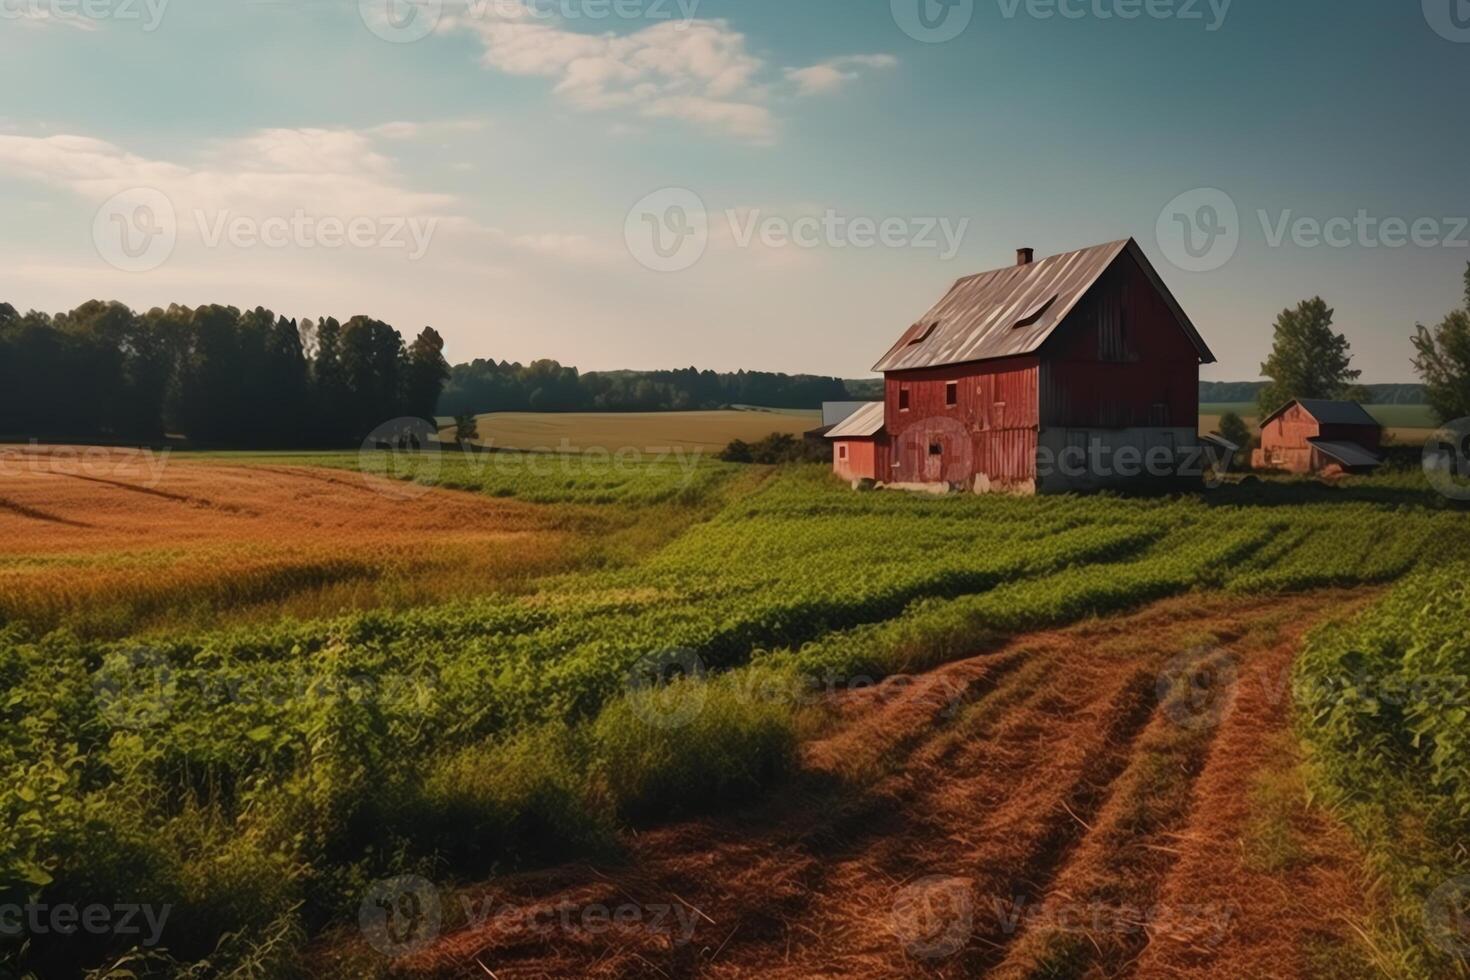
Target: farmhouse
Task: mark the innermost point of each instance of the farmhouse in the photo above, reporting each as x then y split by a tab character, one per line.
1313	435
1073	372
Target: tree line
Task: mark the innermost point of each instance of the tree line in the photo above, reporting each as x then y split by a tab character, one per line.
216	374
1310	360
483	386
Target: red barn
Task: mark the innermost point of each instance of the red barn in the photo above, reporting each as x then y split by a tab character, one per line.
1314	435
1074	372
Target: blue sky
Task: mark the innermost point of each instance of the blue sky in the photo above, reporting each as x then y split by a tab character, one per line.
528	147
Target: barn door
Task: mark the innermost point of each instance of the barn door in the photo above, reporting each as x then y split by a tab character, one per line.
933	450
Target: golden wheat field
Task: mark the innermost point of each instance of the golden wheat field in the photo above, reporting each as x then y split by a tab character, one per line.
703	432
106	541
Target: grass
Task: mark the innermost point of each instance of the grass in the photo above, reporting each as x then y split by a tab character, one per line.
1385	701
264	771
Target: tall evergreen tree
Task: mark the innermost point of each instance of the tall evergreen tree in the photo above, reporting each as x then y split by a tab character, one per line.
287	410
424	375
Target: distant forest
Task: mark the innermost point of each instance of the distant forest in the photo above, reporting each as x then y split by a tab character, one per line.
219	376
547	386
225	377
1245	391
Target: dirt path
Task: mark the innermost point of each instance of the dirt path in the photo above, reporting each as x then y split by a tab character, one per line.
1112	800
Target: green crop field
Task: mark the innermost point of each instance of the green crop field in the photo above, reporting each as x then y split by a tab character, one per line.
260	774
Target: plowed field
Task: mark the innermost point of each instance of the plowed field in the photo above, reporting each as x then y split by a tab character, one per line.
1116	799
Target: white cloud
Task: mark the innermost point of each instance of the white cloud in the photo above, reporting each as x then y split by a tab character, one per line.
833	74
270	172
695	71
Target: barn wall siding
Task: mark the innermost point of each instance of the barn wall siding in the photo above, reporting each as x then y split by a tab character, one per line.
860	463
1120	360
991	428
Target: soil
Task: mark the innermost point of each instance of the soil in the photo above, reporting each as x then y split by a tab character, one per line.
1121	798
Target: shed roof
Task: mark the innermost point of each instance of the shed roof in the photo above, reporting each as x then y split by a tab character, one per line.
835	412
1014	310
1216	439
1328	412
1346	453
865	422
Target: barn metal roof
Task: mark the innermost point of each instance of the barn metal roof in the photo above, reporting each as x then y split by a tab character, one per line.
1346	453
1014	310
866	421
1328	412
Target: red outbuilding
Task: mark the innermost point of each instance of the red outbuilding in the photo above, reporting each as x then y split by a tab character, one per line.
1073	372
1314	435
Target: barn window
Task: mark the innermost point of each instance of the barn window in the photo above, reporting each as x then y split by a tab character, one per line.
903	399
841	452
935	449
952	393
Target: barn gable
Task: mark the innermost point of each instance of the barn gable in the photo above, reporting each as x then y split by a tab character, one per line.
1015	310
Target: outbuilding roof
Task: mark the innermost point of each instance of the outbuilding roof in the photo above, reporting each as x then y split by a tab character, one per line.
1346	453
1328	412
1014	310
865	422
835	412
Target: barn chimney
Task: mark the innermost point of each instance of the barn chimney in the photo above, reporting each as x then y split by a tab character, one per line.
1024	256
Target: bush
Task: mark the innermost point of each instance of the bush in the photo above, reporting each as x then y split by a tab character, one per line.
774	449
693	744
